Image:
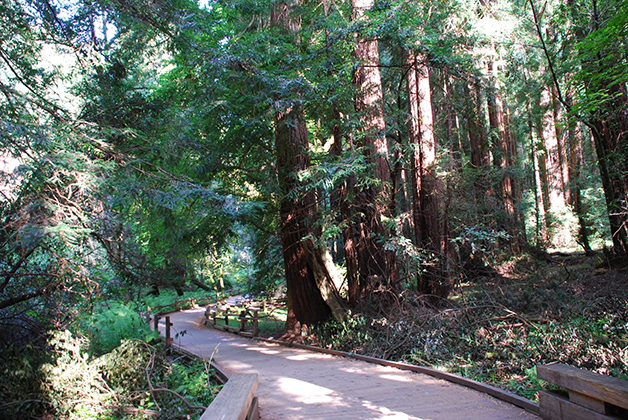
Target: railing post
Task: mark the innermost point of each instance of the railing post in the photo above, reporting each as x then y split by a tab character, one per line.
168	325
243	320
156	319
255	324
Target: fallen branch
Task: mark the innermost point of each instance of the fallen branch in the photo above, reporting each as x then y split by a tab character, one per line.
190	406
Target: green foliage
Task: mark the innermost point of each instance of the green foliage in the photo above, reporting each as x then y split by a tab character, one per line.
112	322
20	379
79	386
73	383
121	375
351	335
273	321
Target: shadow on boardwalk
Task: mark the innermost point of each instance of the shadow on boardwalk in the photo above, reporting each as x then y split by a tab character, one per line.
299	384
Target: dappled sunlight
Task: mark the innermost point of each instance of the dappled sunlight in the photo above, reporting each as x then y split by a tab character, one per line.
236	366
305	356
397	378
263	350
308	393
295	383
389	414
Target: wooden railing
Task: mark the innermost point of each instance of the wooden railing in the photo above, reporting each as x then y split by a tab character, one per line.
180	305
242	320
584	395
235	401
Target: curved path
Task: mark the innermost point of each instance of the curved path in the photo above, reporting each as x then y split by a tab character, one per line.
299	384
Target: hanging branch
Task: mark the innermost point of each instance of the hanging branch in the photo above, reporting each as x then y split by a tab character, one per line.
549	60
593	129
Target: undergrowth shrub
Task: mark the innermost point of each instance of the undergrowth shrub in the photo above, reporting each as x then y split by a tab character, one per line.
498	329
73	384
135	380
109	324
20	381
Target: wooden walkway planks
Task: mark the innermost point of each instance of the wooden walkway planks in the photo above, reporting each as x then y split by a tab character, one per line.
299	384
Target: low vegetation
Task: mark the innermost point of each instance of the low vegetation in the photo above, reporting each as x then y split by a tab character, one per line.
107	365
496	329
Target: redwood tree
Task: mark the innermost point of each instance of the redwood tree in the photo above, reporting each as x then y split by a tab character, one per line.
377	266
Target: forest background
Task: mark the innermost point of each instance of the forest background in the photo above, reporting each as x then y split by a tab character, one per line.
438	182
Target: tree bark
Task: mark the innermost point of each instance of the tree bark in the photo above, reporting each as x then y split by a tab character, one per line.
425	206
377	266
311	293
503	158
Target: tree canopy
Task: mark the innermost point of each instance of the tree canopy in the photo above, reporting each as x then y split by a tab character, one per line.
356	149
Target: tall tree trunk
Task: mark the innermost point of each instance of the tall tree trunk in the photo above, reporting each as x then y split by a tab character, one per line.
311	292
377	267
425	206
305	302
503	158
575	165
563	167
606	89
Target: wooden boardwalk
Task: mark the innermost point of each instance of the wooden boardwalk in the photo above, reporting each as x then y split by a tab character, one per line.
300	384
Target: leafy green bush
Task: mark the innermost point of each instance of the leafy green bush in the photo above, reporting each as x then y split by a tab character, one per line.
133	378
73	383
20	381
112	322
169	297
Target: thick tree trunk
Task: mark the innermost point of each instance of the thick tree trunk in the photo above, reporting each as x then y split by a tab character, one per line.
377	266
311	291
305	302
425	206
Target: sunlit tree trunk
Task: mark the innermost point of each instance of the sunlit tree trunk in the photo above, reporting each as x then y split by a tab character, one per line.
425	206
555	178
561	155
377	267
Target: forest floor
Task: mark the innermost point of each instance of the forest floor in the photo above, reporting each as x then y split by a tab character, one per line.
499	323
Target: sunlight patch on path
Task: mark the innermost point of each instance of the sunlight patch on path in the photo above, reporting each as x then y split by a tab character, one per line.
397	378
308	393
389	414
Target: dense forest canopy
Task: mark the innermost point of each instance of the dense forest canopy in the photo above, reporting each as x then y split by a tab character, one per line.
389	156
354	150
